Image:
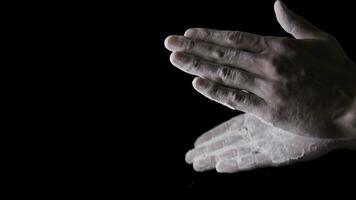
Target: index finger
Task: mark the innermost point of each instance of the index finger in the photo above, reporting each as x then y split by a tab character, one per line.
234	39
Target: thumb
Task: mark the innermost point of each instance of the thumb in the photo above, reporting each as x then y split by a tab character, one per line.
294	24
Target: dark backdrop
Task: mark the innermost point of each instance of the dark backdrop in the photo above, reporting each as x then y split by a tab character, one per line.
140	115
104	108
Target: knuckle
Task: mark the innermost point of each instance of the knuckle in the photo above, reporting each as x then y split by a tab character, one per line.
205	33
242	78
225	73
235	36
196	63
245	101
220	53
190	45
213	91
244	57
238	56
237	97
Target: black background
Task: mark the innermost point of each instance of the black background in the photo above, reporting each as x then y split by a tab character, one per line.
126	117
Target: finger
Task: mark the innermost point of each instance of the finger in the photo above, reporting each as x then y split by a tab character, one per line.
244	163
227	166
233	151
227	155
234	39
215	53
203	151
225	75
220	129
204	164
254	161
212	148
194	153
296	25
232	98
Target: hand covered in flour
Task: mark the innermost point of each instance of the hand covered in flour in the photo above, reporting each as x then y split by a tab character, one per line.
305	85
245	142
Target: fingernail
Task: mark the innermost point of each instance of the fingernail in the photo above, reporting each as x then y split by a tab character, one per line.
180	59
190	32
198	82
174	43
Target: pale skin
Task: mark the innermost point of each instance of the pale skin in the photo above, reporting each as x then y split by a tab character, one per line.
245	143
302	90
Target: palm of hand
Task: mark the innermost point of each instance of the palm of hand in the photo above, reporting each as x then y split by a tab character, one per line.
245	142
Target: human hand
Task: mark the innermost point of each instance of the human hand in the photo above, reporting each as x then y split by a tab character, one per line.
245	143
305	85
